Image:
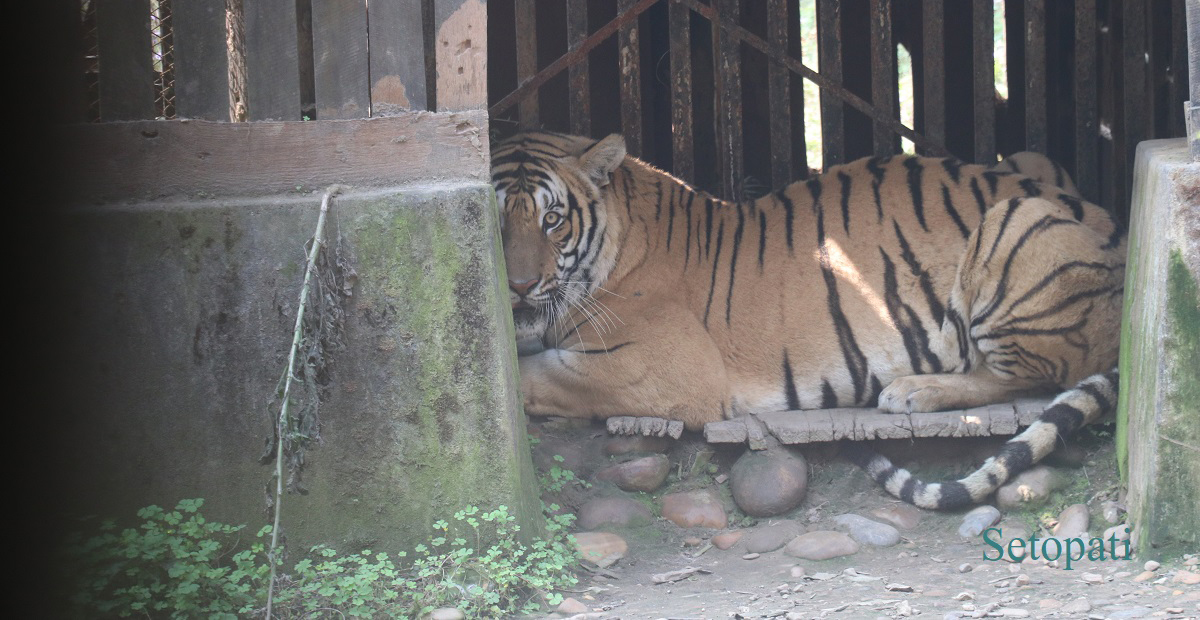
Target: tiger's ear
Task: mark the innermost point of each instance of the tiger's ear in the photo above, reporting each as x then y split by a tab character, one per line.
599	161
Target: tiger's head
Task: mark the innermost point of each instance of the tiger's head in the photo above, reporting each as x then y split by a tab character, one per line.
560	237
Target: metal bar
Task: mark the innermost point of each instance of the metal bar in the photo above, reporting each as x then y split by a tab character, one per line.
682	155
728	92
1087	110
934	83
829	44
1035	75
883	74
578	76
526	22
629	53
779	95
821	80
984	83
573	55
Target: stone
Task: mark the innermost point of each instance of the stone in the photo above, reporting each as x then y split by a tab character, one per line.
869	532
965	567
1077	606
902	516
1111	511
1151	565
1022	580
1029	488
821	545
1071	455
1157	425
693	541
622	444
601	548
1010	612
1145	576
766	483
643	474
977	520
694	509
772	537
618	510
1092	578
446	613
725	540
571	606
1072	521
751	556
1186	577
1120	532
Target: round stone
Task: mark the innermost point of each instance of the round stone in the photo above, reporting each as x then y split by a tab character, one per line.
725	540
766	483
977	520
601	548
903	516
571	606
772	537
1030	488
694	509
869	532
635	444
644	474
1072	522
619	511
821	545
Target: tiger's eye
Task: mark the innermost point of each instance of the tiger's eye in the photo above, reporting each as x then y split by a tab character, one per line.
551	220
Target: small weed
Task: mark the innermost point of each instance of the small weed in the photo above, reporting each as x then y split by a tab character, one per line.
558	478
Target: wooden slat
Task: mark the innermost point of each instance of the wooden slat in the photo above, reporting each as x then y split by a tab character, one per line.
985	82
340	59
682	154
461	41
126	74
829	46
1135	105
799	140
934	59
1087	110
579	91
272	61
629	52
728	92
1179	68
156	159
397	52
779	95
526	24
201	60
1035	75
883	73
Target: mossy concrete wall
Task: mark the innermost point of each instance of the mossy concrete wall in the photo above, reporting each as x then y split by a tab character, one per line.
179	318
1158	434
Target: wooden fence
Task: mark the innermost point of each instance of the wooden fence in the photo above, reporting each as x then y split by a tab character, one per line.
712	90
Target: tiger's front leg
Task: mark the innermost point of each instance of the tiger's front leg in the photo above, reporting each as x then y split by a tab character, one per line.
653	362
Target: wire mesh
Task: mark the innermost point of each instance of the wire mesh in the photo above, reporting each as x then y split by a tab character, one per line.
91	59
162	50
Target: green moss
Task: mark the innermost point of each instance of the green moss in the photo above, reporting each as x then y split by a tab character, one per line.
1183	308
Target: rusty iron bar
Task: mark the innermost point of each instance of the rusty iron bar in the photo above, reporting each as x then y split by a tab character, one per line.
850	98
573	55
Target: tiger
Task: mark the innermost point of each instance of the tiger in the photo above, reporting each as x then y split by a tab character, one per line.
909	283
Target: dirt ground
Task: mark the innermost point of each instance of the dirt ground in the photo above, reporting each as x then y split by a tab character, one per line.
932	572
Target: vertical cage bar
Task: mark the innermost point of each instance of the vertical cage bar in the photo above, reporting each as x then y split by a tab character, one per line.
934	82
126	72
829	46
883	74
1035	75
201	61
526	28
397	52
779	95
682	156
984	81
272	60
340	59
580	91
799	140
629	52
1087	110
728	91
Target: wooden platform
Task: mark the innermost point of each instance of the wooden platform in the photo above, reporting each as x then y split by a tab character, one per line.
795	427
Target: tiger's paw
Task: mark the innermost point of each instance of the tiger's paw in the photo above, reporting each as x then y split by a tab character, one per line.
913	394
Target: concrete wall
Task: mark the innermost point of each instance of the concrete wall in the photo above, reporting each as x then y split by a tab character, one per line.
178	315
1159	411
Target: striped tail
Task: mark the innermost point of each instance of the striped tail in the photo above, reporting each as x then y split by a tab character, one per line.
1082	404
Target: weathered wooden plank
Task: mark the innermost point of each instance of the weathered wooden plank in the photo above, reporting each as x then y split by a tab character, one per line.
1035	75
934	58
340	59
985	81
727	89
629	50
726	431
1178	67
272	60
883	74
526	22
1087	109
648	427
1135	105
579	92
799	141
152	159
461	54
682	154
201	61
397	52
829	47
779	94
126	74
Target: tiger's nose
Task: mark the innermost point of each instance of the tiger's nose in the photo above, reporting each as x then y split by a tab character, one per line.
523	288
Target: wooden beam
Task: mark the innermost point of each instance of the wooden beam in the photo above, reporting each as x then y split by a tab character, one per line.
1035	76
1135	102
799	140
829	44
525	16
934	58
397	52
189	159
341	62
779	94
201	61
682	154
1087	109
579	91
126	74
461	43
985	82
727	56
272	60
629	54
883	75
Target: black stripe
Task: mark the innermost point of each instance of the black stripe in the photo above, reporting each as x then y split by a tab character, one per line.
1012	165
1001	292
897	309
625	181
992	177
1058	173
611	349
1054	275
762	238
1013	203
978	194
716	263
708	221
949	204
953	167
960	333
828	398
1064	417
856	362
953	495
876	388
877	173
737	244
937	311
1016	456
687	256
1075	204
1030	187
914	188
789	210
1101	400
846	180
789	384
909	488
658	201
671	220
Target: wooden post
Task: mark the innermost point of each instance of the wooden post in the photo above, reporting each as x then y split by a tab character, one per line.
629	52
728	91
934	86
579	91
126	75
829	44
1134	100
682	156
1192	108
341	59
1035	75
201	60
397	57
526	24
779	94
461	42
985	82
1087	110
799	140
883	74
